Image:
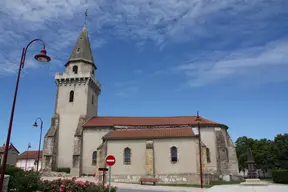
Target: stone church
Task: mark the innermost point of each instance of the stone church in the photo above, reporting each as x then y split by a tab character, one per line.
161	147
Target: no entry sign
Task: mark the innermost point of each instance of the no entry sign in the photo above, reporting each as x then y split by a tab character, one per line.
110	160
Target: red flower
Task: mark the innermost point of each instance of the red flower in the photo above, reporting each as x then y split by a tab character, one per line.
62	188
74	178
82	183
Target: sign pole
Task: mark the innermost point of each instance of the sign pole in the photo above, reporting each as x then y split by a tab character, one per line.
110	178
110	161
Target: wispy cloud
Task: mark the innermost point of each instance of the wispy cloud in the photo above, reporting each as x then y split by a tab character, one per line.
126	88
246	63
127	91
59	22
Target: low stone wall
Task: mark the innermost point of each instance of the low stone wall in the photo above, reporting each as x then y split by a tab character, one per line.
5	184
186	178
54	174
125	178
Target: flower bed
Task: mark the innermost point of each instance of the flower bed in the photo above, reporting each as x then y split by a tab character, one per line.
72	185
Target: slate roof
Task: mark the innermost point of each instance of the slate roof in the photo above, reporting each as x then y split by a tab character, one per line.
2	148
30	155
119	134
82	50
147	121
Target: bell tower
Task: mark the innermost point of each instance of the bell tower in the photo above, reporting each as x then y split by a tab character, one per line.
76	102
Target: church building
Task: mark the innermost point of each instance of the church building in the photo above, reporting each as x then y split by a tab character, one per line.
162	147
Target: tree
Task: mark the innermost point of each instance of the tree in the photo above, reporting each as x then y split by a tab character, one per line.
281	150
267	154
264	155
242	144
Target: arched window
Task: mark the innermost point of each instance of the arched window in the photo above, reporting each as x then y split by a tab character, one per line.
94	157
208	155
174	154
75	69
71	96
127	155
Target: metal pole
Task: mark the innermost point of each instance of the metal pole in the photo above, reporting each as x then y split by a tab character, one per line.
26	159
110	178
11	122
104	179
200	156
39	144
21	65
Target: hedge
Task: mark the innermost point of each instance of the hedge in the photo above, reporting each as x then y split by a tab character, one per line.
280	176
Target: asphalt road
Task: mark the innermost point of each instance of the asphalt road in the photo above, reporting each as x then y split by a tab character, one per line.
137	190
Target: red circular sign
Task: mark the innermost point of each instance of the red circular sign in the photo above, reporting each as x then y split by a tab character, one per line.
110	160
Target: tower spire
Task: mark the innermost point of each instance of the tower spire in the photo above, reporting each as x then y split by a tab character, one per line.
82	50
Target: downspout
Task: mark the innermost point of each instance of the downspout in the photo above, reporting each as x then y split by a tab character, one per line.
153	160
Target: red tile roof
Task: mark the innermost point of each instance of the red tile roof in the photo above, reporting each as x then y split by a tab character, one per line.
149	133
29	155
2	148
146	121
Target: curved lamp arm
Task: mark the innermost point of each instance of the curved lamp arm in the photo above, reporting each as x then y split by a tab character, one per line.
24	50
35	124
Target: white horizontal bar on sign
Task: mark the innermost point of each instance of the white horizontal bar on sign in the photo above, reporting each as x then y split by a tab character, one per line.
110	160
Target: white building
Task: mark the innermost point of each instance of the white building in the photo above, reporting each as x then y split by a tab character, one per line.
28	160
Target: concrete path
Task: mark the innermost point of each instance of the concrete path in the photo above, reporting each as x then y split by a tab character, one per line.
241	188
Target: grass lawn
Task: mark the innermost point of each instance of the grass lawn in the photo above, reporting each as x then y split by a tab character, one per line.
268	180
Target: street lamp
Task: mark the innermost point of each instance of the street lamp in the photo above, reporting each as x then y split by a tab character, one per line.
41	126
198	119
42	57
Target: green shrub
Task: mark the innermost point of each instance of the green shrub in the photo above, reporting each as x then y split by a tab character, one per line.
27	181
12	171
64	169
280	176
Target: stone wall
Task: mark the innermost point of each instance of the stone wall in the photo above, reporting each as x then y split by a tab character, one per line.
50	145
5	184
227	162
223	156
77	148
188	178
54	174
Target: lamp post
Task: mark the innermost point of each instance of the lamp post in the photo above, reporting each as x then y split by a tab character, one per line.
40	57
41	126
198	119
27	156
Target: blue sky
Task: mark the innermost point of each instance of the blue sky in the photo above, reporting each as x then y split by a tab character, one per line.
226	58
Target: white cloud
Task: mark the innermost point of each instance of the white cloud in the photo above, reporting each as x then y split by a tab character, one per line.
59	22
244	63
126	88
127	91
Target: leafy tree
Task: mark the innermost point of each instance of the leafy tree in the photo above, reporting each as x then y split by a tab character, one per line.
264	155
267	154
242	144
281	150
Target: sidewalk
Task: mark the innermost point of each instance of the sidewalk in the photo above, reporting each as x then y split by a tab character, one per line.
138	186
157	188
